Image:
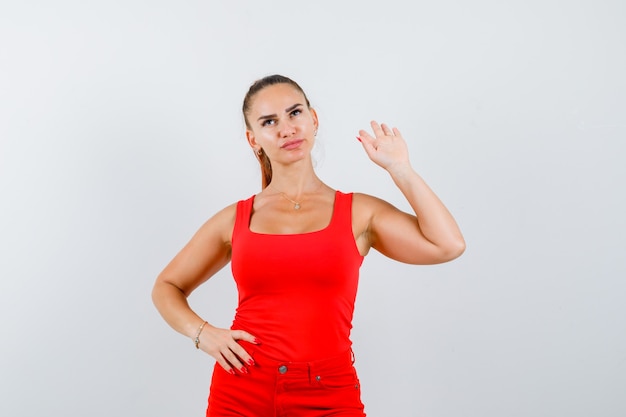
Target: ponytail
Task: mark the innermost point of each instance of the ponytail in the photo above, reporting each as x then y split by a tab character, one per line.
266	168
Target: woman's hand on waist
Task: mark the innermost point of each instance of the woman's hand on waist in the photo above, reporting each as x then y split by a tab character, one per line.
222	345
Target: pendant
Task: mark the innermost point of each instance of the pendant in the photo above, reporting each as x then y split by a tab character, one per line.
296	206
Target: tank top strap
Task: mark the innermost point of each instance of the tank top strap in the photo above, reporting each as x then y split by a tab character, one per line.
242	217
343	210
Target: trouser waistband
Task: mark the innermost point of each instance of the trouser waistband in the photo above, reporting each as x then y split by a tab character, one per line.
309	368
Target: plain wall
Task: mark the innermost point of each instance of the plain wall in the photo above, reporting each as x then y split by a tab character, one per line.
121	133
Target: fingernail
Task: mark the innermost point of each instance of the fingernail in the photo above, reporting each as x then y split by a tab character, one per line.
231	371
359	139
243	370
251	362
257	341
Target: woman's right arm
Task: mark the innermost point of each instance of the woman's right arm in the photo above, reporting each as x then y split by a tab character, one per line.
207	252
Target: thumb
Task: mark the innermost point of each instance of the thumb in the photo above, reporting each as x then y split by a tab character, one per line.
245	336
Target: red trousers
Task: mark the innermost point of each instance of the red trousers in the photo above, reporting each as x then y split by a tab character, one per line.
272	388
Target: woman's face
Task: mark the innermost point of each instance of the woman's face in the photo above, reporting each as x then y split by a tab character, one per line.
281	124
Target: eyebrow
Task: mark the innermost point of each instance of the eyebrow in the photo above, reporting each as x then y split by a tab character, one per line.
287	110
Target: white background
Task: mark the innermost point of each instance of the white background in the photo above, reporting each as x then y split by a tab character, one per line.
121	133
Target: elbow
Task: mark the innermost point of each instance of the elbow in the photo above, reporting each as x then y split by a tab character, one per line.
449	251
164	291
460	249
161	292
455	249
156	294
438	254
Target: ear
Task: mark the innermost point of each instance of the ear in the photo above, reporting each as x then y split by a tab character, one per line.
314	116
252	140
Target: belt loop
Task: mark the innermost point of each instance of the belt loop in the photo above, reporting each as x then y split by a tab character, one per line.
310	372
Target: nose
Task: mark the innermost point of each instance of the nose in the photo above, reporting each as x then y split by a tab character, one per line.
286	129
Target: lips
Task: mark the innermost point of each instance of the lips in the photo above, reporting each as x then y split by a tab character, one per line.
292	144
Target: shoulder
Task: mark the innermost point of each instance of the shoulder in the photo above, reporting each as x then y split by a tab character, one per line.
220	225
365	208
368	204
372	213
229	213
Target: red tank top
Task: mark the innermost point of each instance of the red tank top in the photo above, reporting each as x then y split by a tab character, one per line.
297	291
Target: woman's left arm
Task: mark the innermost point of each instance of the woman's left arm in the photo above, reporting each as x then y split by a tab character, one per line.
429	236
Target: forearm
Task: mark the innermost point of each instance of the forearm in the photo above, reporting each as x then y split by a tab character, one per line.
434	220
172	304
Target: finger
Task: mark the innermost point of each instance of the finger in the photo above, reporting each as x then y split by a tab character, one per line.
363	135
396	131
242	354
378	131
238	350
234	361
386	130
367	141
225	365
243	335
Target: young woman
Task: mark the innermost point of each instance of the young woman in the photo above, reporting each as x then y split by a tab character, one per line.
295	250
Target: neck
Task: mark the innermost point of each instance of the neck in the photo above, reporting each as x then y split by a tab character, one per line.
296	190
295	181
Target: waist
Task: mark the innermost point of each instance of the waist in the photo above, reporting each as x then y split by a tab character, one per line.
304	368
296	337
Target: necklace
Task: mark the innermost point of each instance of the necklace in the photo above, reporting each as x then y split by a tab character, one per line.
296	205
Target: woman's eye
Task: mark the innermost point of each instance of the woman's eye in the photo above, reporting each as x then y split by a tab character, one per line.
267	122
296	112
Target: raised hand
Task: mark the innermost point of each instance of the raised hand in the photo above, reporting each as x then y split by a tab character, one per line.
386	148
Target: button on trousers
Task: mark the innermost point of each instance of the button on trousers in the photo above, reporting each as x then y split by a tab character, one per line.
273	388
